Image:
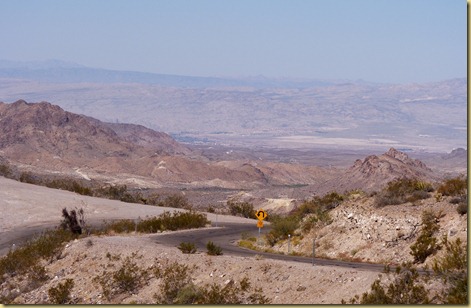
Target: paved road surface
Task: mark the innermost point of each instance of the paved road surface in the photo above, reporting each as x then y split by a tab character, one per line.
225	236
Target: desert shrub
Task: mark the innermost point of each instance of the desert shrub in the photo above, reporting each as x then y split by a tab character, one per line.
120	226
403	190
28	177
183	220
231	294
462	208
244	209
331	200
61	293
453	187
453	270
456	200
74	221
119	192
213	249
405	289
126	279
5	170
408	287
187	247
21	260
70	185
177	288
175	277
426	244
176	201
165	221
281	227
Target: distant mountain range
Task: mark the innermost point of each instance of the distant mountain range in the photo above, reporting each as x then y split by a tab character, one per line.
255	111
44	137
56	71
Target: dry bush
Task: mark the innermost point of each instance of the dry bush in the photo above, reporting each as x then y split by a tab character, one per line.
61	294
213	249
426	244
187	247
453	187
403	190
126	279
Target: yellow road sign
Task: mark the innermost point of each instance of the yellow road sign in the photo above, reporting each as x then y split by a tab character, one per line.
261	215
259	224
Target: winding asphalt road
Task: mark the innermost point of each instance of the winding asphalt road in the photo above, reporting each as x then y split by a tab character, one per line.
225	235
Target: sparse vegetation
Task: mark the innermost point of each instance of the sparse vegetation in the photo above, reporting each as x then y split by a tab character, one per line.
426	244
128	278
75	221
177	288
281	227
403	190
244	209
213	249
408	287
176	201
453	187
453	270
185	247
23	259
61	293
165	221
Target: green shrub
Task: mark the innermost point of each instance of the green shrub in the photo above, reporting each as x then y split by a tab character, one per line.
45	247
176	201
243	209
281	227
120	226
213	249
453	187
166	221
426	244
406	288
403	190
187	247
61	293
453	270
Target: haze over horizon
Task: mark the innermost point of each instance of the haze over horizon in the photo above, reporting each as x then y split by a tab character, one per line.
381	41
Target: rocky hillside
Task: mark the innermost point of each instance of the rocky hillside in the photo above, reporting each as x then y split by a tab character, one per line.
374	172
362	231
45	137
45	130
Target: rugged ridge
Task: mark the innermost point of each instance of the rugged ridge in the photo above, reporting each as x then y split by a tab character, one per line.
44	136
374	172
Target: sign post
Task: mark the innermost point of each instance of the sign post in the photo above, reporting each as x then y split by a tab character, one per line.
261	215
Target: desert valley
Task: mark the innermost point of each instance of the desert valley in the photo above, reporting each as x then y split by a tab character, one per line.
364	194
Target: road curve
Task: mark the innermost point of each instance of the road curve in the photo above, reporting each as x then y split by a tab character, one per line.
226	236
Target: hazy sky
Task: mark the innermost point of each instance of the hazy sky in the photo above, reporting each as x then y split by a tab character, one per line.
375	40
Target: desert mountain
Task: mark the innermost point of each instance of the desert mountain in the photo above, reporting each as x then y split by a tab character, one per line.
45	136
374	172
43	131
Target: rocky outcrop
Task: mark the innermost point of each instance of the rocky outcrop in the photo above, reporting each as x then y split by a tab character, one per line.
374	172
